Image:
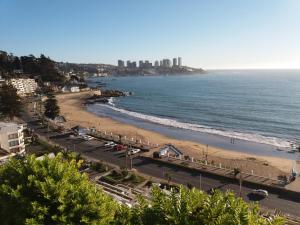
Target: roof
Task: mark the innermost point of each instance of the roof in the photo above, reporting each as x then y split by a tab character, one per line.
8	126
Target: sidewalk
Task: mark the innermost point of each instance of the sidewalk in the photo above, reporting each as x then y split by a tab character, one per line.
226	172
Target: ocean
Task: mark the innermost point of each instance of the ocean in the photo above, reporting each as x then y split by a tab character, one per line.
255	106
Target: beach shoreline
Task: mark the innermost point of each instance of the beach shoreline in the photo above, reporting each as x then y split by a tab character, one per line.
73	109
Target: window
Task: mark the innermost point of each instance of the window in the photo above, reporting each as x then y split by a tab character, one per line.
13	136
13	143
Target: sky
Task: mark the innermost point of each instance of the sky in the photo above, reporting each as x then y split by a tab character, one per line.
211	34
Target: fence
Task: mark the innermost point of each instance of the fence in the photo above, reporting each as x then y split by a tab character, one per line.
227	170
138	143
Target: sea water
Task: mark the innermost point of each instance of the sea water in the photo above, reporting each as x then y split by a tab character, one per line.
260	106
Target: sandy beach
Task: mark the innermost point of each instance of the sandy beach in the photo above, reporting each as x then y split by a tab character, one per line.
73	109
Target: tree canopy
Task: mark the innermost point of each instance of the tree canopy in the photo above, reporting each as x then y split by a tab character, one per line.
51	107
194	207
42	67
10	102
52	191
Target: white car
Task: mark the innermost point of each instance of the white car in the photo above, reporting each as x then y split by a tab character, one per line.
87	137
133	151
260	192
110	143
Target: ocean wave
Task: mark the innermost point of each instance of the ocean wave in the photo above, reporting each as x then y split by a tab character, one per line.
111	101
277	142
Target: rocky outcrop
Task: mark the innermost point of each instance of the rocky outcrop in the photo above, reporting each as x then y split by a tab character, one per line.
105	95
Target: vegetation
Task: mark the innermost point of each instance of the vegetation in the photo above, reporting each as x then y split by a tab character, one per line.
236	171
168	177
99	167
193	207
10	102
134	179
43	67
52	191
51	107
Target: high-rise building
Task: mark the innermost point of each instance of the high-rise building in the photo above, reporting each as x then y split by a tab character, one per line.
179	61
147	64
156	63
128	63
161	64
133	65
166	63
121	63
141	63
174	62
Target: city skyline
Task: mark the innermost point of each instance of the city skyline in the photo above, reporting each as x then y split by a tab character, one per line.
210	35
166	62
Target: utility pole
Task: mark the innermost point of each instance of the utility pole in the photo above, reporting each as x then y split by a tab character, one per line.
200	179
126	155
241	181
130	162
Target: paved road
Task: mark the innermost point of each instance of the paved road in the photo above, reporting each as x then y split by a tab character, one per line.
96	149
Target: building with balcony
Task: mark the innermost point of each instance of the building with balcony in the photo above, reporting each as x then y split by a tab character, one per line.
12	138
24	86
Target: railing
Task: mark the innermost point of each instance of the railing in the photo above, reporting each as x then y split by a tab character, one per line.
206	164
138	143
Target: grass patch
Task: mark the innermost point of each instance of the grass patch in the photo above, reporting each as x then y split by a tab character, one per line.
99	167
134	179
124	177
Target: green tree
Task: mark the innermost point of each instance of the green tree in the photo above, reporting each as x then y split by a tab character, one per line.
51	191
193	207
51	107
10	102
168	177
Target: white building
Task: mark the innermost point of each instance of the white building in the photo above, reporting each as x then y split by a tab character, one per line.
75	89
11	137
24	86
179	61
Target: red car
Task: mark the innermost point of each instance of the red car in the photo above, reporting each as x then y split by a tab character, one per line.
120	147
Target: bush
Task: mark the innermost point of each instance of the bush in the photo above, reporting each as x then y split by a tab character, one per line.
236	171
99	167
50	191
135	179
193	207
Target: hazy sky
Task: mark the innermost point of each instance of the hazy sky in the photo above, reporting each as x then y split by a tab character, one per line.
206	33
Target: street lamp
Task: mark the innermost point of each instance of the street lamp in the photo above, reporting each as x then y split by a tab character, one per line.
200	180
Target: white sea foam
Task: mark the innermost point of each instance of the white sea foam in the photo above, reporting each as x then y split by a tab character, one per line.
111	101
279	143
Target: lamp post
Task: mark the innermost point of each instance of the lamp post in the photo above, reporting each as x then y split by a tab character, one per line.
200	180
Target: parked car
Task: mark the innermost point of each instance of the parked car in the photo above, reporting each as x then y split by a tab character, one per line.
87	137
260	192
120	147
156	155
110	144
133	151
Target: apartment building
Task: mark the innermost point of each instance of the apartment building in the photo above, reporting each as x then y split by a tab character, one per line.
11	137
24	86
